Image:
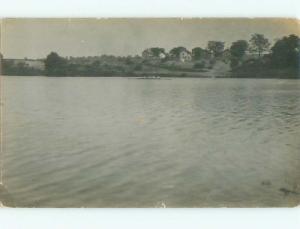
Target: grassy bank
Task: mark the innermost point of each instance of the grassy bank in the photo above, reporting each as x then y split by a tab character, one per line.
277	73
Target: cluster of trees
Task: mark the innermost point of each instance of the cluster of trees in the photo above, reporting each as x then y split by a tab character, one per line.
258	45
285	53
282	60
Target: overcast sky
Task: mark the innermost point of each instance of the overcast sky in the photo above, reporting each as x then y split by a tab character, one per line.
35	38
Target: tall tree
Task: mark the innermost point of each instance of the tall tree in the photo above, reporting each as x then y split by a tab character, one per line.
55	65
238	48
216	47
237	51
286	52
258	44
199	53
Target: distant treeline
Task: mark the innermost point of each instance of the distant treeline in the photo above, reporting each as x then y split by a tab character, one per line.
253	58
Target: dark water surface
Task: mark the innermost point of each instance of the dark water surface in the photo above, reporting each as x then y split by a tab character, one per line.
118	142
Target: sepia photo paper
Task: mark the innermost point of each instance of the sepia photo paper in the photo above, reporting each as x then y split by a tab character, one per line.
149	112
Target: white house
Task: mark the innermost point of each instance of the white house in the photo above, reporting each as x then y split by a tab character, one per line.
185	56
162	55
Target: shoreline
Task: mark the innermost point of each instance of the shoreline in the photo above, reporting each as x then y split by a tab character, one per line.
286	73
161	76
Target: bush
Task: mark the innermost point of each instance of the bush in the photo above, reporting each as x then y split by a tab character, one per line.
199	65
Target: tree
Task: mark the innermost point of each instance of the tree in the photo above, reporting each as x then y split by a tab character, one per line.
157	51
199	53
237	51
238	48
216	47
1	63
286	52
153	52
55	65
258	44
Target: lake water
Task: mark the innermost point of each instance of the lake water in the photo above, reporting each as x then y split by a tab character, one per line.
118	142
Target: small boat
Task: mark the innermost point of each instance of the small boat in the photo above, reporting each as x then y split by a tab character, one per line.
149	77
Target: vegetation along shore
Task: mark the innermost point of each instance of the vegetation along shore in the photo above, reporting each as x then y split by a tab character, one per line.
255	58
